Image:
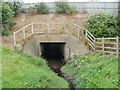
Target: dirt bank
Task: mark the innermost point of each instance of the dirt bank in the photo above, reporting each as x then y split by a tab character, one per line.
24	19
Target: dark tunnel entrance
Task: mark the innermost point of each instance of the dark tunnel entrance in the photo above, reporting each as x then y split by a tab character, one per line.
54	53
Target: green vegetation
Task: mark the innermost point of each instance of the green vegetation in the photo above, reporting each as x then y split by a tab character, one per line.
93	71
6	17
103	25
42	8
23	71
15	6
32	9
8	11
64	7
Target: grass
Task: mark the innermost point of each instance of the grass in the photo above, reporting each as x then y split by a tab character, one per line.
23	71
93	71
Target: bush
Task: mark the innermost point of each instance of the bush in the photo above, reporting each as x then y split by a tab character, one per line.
71	10
103	25
42	8
64	7
5	31
15	6
7	16
32	9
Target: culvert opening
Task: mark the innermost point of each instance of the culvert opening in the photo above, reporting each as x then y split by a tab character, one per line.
54	53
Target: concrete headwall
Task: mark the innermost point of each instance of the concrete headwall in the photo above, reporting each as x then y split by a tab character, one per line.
72	47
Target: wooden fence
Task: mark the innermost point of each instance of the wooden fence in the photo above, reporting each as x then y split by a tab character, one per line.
103	45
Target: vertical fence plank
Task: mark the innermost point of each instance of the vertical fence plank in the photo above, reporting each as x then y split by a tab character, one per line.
32	28
103	45
117	46
86	33
14	39
78	32
23	32
94	44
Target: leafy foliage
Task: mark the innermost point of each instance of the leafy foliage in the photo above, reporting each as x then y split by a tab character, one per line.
23	71
15	6
7	16
103	25
64	7
32	9
42	8
93	71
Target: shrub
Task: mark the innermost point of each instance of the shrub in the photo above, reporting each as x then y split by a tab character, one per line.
7	16
61	7
15	6
5	31
64	7
103	25
71	10
32	9
42	8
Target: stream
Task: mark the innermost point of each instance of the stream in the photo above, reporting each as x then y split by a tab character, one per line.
56	65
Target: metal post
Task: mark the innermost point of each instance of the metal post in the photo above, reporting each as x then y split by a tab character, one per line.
14	39
117	46
103	49
32	28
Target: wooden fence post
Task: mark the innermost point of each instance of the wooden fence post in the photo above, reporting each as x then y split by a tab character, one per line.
103	46
117	46
94	44
32	28
86	33
14	39
78	32
23	32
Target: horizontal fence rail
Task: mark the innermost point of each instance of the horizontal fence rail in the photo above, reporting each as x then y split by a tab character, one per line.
103	45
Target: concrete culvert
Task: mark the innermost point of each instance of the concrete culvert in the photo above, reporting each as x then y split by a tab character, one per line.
52	50
54	53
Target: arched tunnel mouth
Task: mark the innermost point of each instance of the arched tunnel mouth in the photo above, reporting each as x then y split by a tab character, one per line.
54	53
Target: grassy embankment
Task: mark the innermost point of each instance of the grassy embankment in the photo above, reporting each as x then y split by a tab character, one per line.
23	71
93	71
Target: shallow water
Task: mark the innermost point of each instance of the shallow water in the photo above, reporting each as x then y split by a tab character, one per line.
56	65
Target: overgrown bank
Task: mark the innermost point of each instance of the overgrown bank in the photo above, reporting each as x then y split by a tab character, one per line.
93	71
23	71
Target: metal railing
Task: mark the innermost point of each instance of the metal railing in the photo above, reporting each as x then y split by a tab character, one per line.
103	45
